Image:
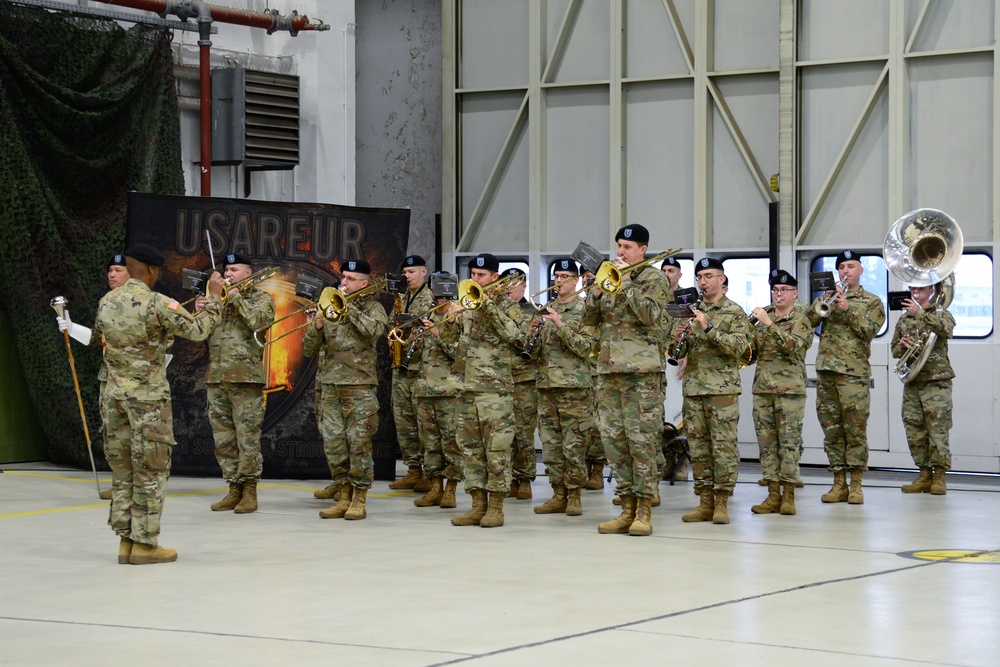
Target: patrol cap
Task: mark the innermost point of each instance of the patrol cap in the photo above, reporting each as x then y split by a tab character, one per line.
146	254
356	266
707	263
413	260
513	271
117	259
236	258
846	255
670	261
566	264
485	261
636	233
782	277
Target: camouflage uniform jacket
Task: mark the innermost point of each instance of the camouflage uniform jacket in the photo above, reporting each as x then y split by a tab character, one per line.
628	324
525	370
488	335
667	324
233	354
135	324
781	354
713	356
349	345
845	343
437	376
937	366
564	357
417	304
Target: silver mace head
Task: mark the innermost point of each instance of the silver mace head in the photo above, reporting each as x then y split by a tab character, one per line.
59	305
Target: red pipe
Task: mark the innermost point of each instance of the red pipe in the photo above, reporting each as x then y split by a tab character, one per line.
205	87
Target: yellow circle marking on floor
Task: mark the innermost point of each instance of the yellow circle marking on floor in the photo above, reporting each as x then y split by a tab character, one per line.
955	555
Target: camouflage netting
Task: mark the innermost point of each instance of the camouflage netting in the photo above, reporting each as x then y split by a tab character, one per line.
88	111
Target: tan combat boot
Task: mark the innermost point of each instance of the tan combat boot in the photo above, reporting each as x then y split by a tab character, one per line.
573	505
705	509
448	500
922	484
556	504
494	512
423	484
248	503
338	510
524	490
643	523
514	486
433	497
788	499
148	554
773	502
621	524
476	513
357	509
596	480
721	513
124	550
838	492
856	496
413	476
330	492
938	487
655	500
105	494
231	500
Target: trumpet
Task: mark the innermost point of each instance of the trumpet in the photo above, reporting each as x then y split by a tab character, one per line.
609	276
397	334
325	298
825	303
472	295
252	279
337	308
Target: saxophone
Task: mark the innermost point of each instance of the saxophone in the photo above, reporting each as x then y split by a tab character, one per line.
396	343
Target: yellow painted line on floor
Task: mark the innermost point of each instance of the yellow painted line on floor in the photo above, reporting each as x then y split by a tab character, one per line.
956	555
82	480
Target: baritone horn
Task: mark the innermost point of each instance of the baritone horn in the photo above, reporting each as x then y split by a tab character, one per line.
922	249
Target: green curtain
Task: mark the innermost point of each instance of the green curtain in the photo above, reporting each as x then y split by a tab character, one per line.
88	111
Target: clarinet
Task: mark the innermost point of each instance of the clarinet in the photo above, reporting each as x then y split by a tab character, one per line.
530	347
405	363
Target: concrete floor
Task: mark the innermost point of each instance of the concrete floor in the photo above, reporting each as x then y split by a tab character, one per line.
833	585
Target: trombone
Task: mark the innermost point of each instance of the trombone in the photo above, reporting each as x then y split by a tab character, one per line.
609	276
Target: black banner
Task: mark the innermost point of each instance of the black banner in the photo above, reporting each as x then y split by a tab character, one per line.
309	239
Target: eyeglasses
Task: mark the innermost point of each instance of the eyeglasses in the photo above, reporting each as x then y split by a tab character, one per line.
783	290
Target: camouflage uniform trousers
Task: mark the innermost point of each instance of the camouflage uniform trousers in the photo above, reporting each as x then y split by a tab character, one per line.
437	417
236	413
843	403
631	427
595	446
710	425
522	456
348	418
565	419
138	442
485	433
927	419
404	414
778	420
661	458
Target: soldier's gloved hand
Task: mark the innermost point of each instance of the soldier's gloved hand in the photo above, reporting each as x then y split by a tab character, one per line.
76	331
64	323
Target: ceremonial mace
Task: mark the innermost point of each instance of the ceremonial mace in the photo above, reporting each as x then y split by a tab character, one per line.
59	305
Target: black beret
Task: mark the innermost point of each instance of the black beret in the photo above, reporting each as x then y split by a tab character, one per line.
846	255
512	271
485	261
117	259
707	263
236	258
782	277
413	260
670	261
565	264
356	266
636	233
146	254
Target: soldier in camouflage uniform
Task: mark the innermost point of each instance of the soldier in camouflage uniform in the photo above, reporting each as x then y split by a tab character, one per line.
134	323
117	276
525	374
348	410
235	385
404	405
565	397
843	396
438	390
779	342
676	467
486	408
927	397
718	335
630	373
597	458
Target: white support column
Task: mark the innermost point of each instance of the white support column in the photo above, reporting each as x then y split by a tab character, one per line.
787	136
703	64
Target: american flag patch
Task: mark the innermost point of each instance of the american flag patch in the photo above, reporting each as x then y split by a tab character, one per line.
173	305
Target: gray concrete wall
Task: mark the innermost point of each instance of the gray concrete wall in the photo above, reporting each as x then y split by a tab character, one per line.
398	119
